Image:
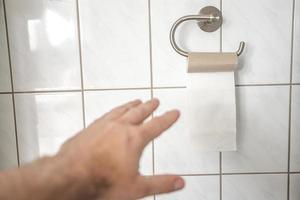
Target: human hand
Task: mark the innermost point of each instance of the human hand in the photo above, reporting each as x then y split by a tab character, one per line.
106	154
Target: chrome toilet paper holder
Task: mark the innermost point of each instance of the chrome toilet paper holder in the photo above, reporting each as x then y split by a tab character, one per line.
209	19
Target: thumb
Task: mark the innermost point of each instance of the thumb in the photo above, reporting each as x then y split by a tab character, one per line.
150	185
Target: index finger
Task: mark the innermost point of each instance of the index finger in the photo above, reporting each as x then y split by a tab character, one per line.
157	125
122	109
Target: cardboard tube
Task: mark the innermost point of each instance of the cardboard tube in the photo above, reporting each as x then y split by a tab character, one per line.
212	62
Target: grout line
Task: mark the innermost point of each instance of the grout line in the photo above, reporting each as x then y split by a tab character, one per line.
189	175
294	172
221	176
170	87
45	91
150	47
80	63
292	43
253	173
289	142
290	100
5	92
263	84
105	89
220	158
239	173
151	82
12	83
138	88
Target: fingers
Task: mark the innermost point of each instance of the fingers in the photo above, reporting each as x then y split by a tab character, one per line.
120	110
139	113
150	185
157	125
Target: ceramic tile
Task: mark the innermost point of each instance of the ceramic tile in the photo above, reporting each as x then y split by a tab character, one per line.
115	43
169	68
176	151
98	103
266	28
5	85
294	186
45	121
45	55
201	187
258	187
8	149
262	130
296	63
295	129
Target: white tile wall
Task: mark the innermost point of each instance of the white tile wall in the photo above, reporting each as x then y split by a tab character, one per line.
201	187
115	43
258	187
5	85
262	130
176	151
100	102
266	27
294	187
45	121
295	130
168	66
8	148
43	44
116	37
296	63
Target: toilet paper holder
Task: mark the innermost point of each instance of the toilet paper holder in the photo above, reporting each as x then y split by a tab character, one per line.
209	19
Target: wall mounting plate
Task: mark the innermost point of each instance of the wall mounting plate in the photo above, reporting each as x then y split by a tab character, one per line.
215	21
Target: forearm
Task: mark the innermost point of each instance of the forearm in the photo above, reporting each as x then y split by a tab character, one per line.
46	179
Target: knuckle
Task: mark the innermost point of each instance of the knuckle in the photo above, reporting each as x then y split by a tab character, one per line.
119	110
142	111
121	120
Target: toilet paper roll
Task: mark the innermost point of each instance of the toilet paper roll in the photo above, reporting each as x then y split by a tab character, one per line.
212	62
211	106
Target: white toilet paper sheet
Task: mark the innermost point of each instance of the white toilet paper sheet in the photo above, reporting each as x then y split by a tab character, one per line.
211	105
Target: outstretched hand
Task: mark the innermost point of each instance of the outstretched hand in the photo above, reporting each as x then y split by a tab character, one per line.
107	153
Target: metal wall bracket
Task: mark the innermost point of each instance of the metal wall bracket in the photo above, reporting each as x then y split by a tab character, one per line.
209	19
215	21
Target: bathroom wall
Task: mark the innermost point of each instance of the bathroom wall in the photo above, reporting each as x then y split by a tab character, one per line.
63	63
